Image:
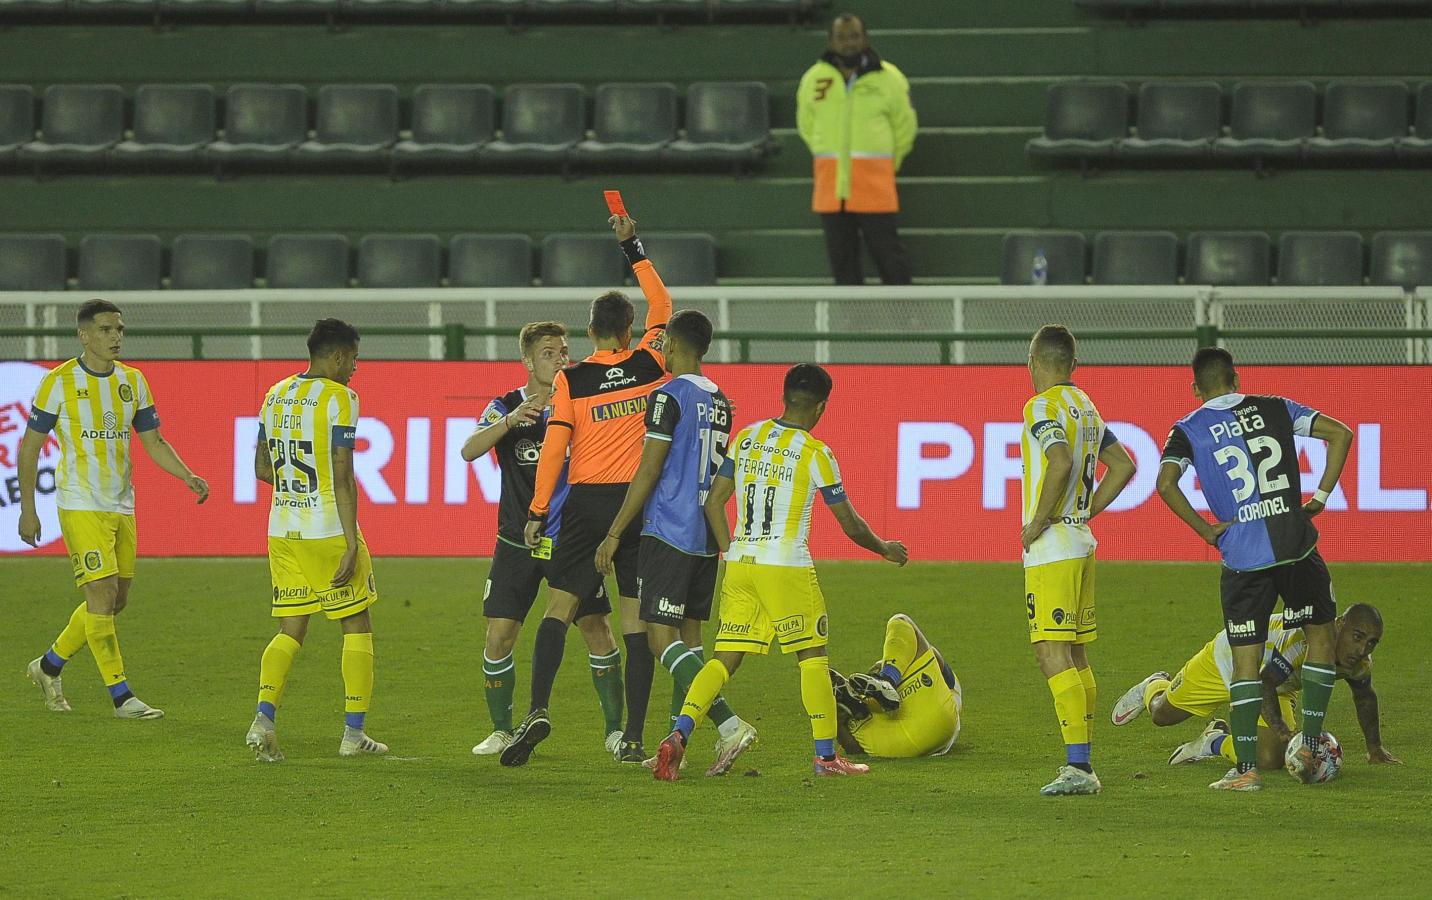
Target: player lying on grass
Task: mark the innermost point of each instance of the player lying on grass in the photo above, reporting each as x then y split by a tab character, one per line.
1201	688
318	559
514	425
92	403
907	705
770	592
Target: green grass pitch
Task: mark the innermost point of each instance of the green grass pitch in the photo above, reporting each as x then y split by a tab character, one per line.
97	807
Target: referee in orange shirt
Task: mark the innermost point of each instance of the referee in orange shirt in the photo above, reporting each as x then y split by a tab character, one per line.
599	413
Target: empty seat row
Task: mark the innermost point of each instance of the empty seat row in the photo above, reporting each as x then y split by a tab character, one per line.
1304	258
136	262
358	125
1359	7
1372	120
509	9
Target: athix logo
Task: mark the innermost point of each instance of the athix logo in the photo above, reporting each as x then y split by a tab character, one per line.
617	377
18	381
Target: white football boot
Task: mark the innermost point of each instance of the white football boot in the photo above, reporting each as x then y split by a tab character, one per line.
263	740
613	743
1131	705
728	748
356	743
135	708
1071	781
49	686
493	744
1200	748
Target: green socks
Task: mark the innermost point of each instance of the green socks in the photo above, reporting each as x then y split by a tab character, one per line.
1245	701
498	683
1317	691
607	680
685	663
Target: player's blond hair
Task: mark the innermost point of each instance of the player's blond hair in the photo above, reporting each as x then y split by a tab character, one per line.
533	332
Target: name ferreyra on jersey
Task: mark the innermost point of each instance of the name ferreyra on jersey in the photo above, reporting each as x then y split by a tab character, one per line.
1062	414
303	419
777	470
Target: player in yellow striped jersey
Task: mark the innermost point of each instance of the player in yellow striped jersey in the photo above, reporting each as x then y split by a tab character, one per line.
92	403
775	468
317	557
1062	442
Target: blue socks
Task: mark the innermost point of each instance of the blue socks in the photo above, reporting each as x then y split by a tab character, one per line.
891	674
354	720
52	663
825	748
684	726
268	709
1078	756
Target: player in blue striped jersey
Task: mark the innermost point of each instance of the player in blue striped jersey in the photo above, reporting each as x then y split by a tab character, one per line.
1243	448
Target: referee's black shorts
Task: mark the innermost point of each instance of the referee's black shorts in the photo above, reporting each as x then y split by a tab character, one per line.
515	579
586	519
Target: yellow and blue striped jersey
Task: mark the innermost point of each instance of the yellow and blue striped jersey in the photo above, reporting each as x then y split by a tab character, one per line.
1064	414
91	415
304	418
778	469
1285	650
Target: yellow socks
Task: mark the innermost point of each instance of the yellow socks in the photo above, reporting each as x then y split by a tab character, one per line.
357	677
819	701
704	688
72	640
273	672
104	644
1070	705
1091	694
900	644
1153	689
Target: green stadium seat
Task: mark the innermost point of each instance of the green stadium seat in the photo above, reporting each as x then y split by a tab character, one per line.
184	9
173	123
1319	258
1136	257
541	123
211	262
684	260
451	122
1362	119
1271	120
727	123
357	124
88	9
24	8
307	261
392	8
17	119
1063	250
582	260
1228	258
32	262
507	8
633	122
490	260
1083	120
1402	258
119	262
567	7
263	123
1176	120
78	125
1419	145
400	261
304	8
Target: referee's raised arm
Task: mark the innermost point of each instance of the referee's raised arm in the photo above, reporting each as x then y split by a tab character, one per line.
658	298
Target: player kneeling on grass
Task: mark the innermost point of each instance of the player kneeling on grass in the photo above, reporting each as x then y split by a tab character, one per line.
907	705
1201	687
770	592
317	557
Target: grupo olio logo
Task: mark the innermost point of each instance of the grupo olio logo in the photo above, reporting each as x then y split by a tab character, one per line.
18	381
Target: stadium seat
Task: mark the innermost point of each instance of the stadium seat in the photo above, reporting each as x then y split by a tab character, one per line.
119	262
1228	258
1361	119
632	123
1083	120
217	262
451	122
582	260
567	7
1402	258
490	260
1063	250
540	124
309	8
1318	258
1271	120
172	124
32	262
392	7
17	119
507	8
400	261
89	9
1136	257
727	123
205	8
685	260
78	124
1419	145
32	7
1176	119
307	261
357	123
262	124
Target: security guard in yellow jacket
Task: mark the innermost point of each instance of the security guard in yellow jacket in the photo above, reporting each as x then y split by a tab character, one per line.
853	111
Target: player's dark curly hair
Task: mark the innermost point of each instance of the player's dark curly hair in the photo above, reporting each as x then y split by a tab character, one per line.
806	385
612	315
692	328
91	308
329	335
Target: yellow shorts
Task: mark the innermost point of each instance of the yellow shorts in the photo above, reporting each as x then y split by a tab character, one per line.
101	544
1059	598
302	571
761	602
927	722
1198	690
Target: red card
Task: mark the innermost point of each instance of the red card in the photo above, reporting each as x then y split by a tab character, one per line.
614	202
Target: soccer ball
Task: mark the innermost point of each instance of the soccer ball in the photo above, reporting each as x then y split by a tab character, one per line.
1326	764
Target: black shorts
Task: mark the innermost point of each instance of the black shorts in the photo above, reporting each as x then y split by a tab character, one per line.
516	577
674	585
1249	598
586	519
